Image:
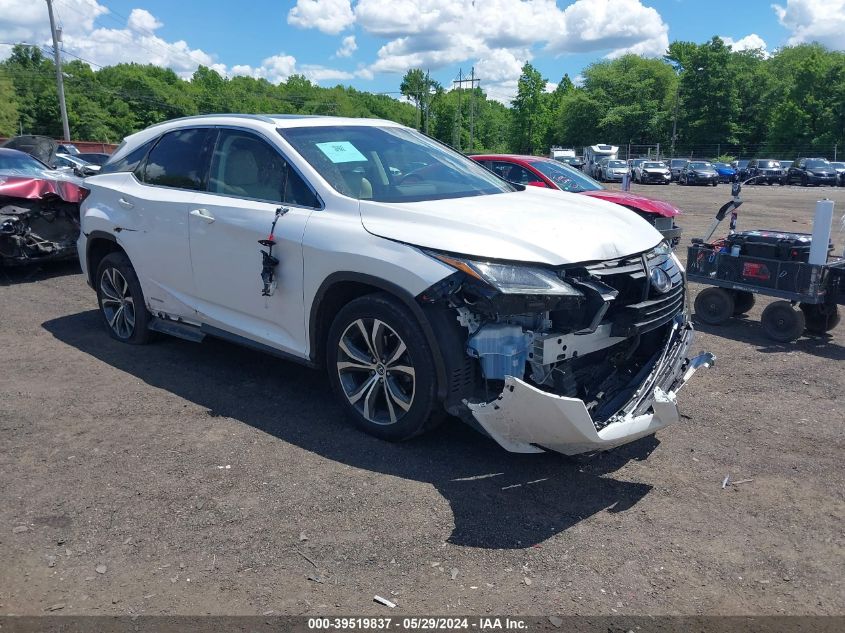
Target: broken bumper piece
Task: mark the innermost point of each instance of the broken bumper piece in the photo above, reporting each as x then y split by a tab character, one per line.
524	419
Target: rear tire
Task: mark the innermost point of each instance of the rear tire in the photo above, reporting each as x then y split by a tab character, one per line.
783	322
821	317
714	306
381	367
121	300
743	301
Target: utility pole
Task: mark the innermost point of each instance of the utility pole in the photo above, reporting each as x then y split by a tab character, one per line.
458	122
675	120
472	81
60	84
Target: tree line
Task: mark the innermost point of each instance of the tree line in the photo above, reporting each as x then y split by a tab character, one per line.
702	99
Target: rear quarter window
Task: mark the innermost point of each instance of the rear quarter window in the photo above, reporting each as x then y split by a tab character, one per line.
178	160
130	161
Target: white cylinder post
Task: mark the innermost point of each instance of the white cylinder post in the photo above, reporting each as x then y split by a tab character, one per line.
821	231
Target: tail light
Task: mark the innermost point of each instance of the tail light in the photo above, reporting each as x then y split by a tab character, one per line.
84	192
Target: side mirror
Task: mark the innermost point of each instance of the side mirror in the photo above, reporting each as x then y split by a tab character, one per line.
536	183
79	172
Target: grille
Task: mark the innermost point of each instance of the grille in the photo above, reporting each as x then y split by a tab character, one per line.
639	307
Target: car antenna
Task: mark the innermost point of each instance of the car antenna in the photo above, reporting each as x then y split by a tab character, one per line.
268	260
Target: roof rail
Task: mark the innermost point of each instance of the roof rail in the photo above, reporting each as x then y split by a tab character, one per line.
256	117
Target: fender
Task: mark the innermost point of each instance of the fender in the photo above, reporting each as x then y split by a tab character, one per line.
403	295
89	239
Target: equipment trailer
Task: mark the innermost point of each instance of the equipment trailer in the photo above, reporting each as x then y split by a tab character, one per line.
768	263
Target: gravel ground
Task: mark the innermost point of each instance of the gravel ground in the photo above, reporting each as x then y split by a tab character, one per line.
179	478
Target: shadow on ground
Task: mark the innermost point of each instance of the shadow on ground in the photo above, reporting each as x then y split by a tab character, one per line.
10	275
499	500
748	330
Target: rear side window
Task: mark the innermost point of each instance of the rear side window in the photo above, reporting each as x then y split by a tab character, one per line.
130	161
178	160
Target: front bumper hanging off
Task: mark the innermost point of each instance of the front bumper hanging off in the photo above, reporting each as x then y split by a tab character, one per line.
525	419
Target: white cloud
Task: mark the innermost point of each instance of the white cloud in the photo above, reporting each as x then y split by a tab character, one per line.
318	73
347	46
278	68
500	69
143	20
274	69
620	26
26	20
137	42
820	21
328	16
750	42
498	35
82	37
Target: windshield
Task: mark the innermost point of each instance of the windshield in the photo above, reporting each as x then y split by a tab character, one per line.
678	162
838	165
21	164
390	164
566	178
722	165
818	163
617	163
700	165
654	166
768	164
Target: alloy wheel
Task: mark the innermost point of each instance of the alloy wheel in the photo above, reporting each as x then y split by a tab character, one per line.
376	371
117	302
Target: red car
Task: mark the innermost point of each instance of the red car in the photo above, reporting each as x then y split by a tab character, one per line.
536	171
39	211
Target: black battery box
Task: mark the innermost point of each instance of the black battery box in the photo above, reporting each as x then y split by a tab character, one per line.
779	245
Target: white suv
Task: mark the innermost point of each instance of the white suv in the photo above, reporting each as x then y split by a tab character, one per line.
421	281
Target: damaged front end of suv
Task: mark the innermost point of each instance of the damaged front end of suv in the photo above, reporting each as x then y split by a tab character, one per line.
574	358
39	219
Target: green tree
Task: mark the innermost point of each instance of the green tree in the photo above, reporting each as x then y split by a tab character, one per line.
709	105
529	114
416	86
8	106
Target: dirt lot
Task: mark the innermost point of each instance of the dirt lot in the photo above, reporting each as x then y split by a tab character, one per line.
180	478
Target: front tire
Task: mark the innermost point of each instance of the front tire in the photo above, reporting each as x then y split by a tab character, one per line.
381	367
714	306
121	300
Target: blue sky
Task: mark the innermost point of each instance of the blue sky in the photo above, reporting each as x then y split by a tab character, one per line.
369	43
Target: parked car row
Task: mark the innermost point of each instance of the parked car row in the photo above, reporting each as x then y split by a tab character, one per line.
57	155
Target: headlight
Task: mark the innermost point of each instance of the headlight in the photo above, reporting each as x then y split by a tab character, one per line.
511	279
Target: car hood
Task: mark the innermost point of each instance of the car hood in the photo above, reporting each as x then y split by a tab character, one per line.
31	188
535	225
635	201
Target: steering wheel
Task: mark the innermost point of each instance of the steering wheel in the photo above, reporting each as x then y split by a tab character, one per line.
414	178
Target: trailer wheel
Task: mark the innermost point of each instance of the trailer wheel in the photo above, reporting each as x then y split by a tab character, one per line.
821	317
743	301
714	306
782	322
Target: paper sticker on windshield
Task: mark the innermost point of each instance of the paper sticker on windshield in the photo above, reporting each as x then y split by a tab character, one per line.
341	152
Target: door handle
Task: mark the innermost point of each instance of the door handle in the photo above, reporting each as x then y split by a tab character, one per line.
203	214
125	203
